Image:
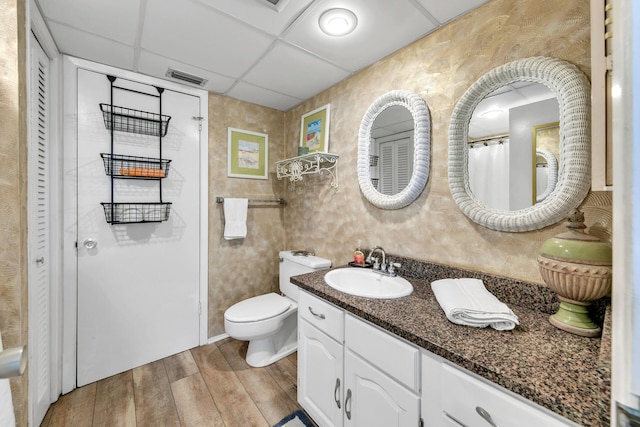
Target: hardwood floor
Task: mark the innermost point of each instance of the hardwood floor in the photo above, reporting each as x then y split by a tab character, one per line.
206	386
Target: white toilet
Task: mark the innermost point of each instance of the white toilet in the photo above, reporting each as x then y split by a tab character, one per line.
269	322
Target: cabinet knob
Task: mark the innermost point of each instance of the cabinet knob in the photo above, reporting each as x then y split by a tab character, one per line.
486	415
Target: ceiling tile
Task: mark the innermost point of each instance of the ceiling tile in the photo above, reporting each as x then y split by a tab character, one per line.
260	14
113	19
155	65
303	75
192	33
445	11
383	27
272	56
257	95
87	46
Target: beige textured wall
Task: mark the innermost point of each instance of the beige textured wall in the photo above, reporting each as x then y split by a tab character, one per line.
13	277
439	67
239	269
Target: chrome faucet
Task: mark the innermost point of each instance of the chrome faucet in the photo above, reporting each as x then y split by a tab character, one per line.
376	265
390	269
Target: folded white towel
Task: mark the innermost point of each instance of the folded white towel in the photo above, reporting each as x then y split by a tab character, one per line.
235	218
467	302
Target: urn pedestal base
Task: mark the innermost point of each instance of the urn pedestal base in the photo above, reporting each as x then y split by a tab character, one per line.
574	318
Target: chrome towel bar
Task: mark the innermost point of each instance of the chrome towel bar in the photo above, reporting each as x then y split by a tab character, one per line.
279	201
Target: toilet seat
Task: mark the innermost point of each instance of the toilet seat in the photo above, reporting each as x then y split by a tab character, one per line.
258	308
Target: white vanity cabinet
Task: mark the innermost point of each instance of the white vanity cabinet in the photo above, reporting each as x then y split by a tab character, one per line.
320	360
358	376
354	374
453	397
471	402
320	366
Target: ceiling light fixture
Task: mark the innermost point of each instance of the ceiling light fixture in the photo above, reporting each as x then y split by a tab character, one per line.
491	114
338	22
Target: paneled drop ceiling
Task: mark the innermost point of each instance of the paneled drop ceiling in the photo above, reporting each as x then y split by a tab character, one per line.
271	55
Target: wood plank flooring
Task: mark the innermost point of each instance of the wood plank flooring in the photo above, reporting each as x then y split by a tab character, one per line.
205	386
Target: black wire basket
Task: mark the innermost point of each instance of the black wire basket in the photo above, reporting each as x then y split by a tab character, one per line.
135	167
134	121
131	213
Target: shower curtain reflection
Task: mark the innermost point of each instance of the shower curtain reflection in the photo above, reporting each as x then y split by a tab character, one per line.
489	173
542	181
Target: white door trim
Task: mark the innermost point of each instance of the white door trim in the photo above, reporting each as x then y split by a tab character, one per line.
69	249
626	238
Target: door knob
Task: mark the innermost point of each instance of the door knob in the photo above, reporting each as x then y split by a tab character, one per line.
90	243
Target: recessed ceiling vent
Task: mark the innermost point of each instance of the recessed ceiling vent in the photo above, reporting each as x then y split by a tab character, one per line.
186	77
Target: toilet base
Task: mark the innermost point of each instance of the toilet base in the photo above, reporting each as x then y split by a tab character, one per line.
260	353
265	351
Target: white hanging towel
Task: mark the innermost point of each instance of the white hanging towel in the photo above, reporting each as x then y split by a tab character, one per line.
235	218
467	302
7	417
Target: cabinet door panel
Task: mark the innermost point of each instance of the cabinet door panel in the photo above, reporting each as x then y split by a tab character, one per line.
397	358
463	394
449	422
375	399
320	361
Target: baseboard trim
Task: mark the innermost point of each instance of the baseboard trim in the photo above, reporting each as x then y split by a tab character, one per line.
220	337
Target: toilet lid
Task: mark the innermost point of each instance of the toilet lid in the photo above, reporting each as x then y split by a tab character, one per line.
257	308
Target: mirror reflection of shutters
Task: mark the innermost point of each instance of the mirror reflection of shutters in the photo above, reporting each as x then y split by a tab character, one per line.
403	164
386	168
396	165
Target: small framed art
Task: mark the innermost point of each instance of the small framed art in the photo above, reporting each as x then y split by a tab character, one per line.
314	130
247	155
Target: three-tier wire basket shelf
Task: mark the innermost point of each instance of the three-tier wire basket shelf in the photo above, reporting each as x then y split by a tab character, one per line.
119	166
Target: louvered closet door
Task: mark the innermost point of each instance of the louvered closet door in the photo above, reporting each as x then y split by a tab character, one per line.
39	226
396	165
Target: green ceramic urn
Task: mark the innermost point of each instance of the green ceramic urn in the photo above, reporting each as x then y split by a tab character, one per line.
577	267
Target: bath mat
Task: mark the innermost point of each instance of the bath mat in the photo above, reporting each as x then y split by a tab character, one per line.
297	419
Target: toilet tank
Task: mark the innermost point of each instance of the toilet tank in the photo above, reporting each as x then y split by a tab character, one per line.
292	264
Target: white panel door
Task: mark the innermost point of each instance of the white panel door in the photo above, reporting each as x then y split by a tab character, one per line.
138	288
39	229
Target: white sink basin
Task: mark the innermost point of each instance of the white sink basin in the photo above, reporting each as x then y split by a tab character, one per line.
365	283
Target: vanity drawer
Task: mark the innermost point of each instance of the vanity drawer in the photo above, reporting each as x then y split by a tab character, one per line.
462	395
395	357
324	316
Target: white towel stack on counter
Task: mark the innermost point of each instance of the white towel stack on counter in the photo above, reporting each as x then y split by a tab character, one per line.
235	218
467	302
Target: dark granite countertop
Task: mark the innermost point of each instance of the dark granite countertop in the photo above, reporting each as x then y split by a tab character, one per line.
568	374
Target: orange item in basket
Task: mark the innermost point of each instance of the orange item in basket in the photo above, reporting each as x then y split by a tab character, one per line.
142	172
